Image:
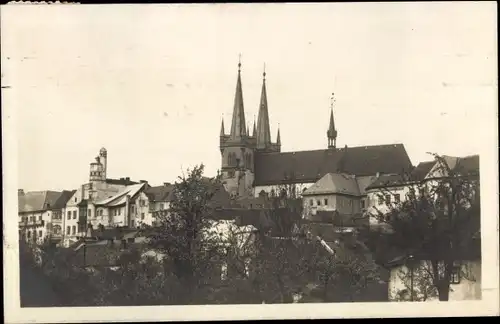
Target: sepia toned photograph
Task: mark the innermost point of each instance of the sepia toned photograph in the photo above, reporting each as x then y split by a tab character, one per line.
249	155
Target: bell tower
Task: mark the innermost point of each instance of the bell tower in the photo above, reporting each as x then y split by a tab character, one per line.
237	148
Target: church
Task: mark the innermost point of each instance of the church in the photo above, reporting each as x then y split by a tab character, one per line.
252	163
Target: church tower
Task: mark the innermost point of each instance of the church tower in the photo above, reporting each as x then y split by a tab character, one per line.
237	149
263	137
332	132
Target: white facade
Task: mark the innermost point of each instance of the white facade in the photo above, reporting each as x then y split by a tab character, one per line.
465	285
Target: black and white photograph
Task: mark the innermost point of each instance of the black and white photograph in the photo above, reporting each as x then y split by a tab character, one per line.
276	161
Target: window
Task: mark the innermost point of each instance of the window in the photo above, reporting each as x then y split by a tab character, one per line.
74	214
75	199
318	202
119	211
68	230
40	235
142	215
69	215
57	229
142	202
74	230
90	212
161	206
362	203
40	217
397	198
132	223
387	199
380	200
132	209
326	202
311	202
455	275
29	234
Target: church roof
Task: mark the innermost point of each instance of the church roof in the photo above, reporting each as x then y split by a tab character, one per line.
310	166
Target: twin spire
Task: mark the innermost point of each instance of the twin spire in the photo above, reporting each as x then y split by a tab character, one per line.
239	128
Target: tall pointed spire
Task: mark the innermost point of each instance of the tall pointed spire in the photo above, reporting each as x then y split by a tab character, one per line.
332	132
254	132
238	122
263	128
222	133
278	137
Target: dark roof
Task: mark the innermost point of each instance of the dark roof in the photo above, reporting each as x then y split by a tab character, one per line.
310	166
37	200
421	170
63	199
121	181
83	202
388	180
160	193
468	164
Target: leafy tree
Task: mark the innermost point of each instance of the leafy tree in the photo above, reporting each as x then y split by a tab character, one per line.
187	236
437	225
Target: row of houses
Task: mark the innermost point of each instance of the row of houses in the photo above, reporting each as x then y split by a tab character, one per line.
65	216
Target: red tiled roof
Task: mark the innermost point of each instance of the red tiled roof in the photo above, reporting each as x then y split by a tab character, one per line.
310	166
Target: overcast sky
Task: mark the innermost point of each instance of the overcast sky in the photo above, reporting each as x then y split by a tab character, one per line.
151	83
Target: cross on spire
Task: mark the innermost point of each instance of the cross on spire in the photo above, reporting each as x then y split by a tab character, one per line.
332	100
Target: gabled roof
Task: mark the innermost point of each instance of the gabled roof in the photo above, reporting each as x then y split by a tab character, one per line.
310	166
160	193
37	200
63	199
334	183
421	170
388	180
120	198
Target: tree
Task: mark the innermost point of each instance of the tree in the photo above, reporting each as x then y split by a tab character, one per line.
437	225
187	236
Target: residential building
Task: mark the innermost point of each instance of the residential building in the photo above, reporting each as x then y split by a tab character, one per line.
465	281
158	199
57	223
127	208
82	204
389	189
35	214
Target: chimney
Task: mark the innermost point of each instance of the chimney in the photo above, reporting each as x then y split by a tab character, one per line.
20	192
143	181
127	178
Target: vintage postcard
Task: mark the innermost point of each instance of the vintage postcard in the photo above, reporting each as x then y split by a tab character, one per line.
249	161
